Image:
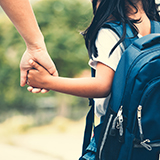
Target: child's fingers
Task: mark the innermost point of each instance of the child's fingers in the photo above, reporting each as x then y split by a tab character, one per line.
44	91
36	90
30	88
33	90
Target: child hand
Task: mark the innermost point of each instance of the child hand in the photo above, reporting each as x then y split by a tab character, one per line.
37	77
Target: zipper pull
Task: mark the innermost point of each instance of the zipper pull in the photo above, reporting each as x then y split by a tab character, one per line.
120	111
115	123
143	142
113	129
145	145
119	118
121	139
139	116
121	125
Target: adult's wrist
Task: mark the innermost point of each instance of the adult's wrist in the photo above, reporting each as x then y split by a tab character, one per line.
36	44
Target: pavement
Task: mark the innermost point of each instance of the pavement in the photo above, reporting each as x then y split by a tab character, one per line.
42	147
9	152
61	142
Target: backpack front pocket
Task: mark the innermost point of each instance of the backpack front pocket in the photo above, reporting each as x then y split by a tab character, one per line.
113	135
147	130
140	152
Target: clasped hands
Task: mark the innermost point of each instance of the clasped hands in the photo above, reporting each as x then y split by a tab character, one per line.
37	78
28	61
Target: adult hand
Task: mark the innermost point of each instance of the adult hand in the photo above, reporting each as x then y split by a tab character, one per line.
40	55
22	16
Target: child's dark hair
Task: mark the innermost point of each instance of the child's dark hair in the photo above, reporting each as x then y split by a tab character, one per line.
118	9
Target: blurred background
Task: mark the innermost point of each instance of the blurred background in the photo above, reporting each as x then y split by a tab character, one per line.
44	126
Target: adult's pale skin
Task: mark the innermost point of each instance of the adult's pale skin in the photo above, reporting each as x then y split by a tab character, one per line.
22	16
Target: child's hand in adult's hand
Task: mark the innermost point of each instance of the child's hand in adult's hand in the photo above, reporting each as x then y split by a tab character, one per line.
38	76
41	56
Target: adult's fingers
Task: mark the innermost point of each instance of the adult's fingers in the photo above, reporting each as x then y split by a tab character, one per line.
23	78
47	63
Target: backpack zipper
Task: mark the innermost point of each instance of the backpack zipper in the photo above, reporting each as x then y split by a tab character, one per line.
155	144
139	116
118	123
105	135
143	142
151	85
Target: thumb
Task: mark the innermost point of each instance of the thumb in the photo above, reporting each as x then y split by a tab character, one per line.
34	64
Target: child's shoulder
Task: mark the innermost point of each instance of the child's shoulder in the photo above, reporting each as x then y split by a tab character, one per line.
107	34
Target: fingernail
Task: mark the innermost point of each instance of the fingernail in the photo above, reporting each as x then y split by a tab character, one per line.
30	61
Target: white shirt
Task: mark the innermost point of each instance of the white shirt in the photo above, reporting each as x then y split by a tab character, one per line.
105	41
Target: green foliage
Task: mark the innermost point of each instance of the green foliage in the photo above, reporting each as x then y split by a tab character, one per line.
61	29
61	22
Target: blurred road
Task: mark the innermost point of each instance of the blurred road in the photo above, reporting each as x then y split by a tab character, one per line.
9	152
42	147
60	140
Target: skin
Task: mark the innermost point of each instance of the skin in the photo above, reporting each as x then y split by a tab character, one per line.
84	87
96	87
21	14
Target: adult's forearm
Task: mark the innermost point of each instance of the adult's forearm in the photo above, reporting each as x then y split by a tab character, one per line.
21	14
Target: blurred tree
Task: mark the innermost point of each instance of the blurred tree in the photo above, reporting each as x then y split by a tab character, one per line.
61	22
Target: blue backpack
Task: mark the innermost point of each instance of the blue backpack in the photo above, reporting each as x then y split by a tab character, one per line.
131	126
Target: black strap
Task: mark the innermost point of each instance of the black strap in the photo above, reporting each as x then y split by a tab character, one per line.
89	121
88	128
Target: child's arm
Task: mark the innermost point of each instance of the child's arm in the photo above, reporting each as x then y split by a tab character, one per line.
85	87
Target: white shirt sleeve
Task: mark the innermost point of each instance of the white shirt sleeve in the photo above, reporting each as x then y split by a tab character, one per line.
105	41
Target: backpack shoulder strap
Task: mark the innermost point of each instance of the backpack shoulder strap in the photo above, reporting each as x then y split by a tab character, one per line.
155	27
121	72
89	121
118	29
